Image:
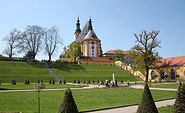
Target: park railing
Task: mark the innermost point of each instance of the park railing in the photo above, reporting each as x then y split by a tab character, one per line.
129	69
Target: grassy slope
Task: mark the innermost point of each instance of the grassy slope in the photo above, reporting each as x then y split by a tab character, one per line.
20	71
88	99
71	72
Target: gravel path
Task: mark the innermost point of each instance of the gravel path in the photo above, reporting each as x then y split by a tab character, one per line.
133	109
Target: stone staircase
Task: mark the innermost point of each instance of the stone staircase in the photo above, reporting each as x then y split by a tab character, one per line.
52	72
139	76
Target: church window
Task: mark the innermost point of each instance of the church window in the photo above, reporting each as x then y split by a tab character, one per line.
162	74
92	42
173	74
153	75
92	47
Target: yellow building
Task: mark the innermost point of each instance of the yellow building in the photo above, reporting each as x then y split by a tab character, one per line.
168	69
89	42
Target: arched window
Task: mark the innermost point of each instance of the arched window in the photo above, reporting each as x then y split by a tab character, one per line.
173	74
153	75
162	74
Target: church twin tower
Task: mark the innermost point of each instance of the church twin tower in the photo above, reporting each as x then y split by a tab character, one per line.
89	42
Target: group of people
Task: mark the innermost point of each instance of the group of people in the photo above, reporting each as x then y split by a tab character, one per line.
113	83
109	83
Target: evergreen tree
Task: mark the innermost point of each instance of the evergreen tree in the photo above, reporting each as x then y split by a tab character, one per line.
147	104
53	82
68	104
60	82
179	106
28	82
50	82
84	82
13	82
64	82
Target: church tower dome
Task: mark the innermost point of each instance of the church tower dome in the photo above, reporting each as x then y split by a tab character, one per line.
78	30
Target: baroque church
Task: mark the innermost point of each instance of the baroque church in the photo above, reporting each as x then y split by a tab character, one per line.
89	42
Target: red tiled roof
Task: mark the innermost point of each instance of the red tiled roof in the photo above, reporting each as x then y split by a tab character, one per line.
173	61
1	55
123	52
97	58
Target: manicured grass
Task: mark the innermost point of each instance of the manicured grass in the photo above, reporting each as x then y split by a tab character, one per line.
71	72
21	71
171	85
32	86
86	99
167	109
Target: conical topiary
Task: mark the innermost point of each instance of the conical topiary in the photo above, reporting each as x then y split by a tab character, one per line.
60	82
64	82
179	106
68	104
147	104
50	82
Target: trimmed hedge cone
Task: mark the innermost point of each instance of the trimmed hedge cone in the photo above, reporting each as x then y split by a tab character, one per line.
68	104
147	104
179	106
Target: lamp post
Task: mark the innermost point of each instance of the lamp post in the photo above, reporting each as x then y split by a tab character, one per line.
39	86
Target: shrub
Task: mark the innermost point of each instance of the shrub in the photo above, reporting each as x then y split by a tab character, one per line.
147	104
93	81
27	82
53	82
13	82
179	106
84	82
38	81
68	104
60	82
78	81
74	81
49	81
121	81
89	82
64	82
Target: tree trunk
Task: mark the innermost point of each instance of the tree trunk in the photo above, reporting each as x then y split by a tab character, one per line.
49	57
146	74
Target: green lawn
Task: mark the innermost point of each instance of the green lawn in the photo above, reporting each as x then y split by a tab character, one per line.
171	85
71	72
32	86
21	71
167	109
86	99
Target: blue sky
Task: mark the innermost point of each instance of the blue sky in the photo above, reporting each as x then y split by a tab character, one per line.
114	21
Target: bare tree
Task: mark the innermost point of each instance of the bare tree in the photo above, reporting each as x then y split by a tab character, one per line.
147	42
32	40
51	41
13	41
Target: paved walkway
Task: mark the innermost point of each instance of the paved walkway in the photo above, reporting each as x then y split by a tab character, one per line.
133	109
